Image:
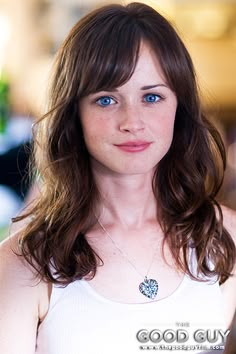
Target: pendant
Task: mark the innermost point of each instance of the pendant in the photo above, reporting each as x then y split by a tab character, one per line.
149	288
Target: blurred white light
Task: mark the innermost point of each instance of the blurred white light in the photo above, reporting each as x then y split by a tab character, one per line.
5	30
5	33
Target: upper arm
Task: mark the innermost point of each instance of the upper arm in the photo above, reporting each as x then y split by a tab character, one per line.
19	303
229	287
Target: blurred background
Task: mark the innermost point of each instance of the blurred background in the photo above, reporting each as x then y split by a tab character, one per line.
31	32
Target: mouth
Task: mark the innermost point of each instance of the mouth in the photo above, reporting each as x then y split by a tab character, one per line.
134	146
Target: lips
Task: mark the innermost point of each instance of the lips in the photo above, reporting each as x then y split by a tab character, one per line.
134	146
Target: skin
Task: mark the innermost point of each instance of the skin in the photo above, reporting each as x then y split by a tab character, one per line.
127	210
132	112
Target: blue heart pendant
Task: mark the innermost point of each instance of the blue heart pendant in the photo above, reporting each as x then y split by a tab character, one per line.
149	288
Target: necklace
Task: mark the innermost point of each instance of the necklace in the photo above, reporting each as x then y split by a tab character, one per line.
148	287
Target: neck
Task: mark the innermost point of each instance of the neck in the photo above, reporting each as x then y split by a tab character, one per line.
127	200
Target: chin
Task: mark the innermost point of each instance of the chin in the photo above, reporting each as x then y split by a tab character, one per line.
122	167
133	170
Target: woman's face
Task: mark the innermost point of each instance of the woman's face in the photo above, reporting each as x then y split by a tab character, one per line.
128	130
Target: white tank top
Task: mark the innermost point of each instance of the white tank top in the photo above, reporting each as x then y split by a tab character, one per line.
81	321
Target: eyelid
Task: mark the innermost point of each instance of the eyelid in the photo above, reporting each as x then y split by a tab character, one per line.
103	96
153	94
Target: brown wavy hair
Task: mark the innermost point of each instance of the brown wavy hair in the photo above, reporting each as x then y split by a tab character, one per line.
100	53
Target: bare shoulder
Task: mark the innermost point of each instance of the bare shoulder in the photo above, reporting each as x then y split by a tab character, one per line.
13	267
16	274
23	299
229	287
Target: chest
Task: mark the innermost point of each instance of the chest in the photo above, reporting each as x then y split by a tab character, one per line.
82	321
121	274
119	280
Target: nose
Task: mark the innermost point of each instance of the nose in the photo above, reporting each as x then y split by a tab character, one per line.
131	120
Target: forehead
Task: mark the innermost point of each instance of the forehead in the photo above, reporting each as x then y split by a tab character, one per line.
148	63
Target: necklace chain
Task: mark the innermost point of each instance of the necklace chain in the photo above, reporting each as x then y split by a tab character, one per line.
124	254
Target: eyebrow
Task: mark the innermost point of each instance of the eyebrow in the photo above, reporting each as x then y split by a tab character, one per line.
152	86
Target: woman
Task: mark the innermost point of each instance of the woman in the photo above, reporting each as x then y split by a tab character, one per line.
126	240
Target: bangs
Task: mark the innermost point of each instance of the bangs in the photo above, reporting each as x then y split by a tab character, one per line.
111	55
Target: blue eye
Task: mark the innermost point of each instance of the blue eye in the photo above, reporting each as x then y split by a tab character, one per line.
151	98
105	101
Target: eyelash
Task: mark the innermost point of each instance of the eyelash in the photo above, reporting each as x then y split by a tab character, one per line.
153	94
157	99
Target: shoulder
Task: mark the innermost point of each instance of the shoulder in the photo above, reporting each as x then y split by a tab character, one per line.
16	273
23	298
13	267
229	287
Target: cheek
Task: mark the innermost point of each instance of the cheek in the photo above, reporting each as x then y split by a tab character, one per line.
97	128
95	136
163	127
163	130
